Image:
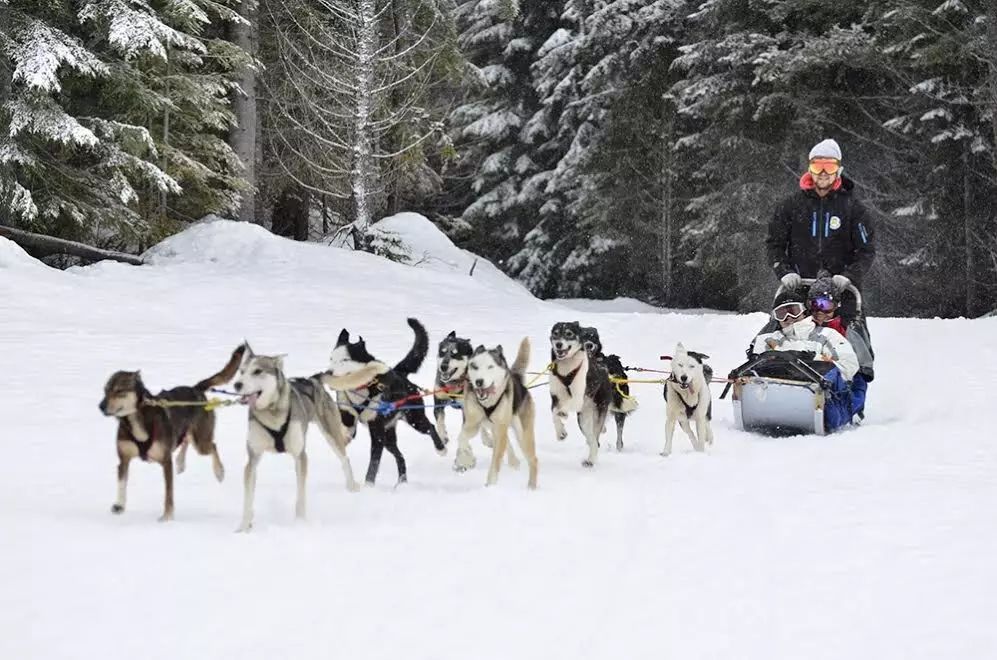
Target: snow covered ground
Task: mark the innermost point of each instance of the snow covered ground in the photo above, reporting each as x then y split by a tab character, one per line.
876	543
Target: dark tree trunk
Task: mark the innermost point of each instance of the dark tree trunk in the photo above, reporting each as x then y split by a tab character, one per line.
290	213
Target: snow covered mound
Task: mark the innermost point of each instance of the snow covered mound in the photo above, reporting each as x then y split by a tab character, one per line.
431	248
226	242
14	259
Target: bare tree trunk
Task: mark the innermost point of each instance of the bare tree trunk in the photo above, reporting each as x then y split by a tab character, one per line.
362	170
968	230
41	245
667	230
243	137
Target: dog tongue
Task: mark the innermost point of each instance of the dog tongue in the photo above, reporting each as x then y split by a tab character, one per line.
250	399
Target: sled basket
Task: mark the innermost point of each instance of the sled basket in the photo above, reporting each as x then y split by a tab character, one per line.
780	393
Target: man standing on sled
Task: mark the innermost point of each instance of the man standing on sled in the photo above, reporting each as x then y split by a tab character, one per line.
823	226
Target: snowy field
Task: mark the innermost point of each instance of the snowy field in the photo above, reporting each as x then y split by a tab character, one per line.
876	543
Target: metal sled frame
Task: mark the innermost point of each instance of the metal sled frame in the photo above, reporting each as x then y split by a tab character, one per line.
778	406
792	403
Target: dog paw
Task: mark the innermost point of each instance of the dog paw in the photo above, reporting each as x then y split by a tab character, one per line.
619	445
117	508
441	451
220	474
166	517
562	435
587	463
487	441
465	461
353	487
244	528
181	466
665	454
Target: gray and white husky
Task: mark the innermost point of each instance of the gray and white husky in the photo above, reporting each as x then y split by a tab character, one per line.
578	385
495	397
280	410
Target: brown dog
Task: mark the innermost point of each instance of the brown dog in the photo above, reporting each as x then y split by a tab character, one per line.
151	432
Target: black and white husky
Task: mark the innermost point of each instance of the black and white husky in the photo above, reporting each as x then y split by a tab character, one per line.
364	403
280	410
622	404
688	399
497	398
452	357
577	385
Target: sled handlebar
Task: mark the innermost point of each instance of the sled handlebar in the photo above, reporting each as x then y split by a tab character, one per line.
807	281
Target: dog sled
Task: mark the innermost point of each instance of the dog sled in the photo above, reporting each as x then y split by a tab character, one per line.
789	392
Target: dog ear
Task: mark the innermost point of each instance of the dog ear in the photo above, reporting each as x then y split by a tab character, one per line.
679	349
247	350
360	341
699	356
480	349
452	335
344	337
498	349
279	360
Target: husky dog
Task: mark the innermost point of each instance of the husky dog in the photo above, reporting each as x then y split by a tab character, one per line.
687	398
280	410
496	397
362	402
151	432
451	375
622	404
577	385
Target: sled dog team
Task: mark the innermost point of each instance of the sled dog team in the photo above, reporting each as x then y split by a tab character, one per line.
492	393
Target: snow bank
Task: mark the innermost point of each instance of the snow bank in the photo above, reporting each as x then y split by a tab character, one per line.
226	242
14	259
430	248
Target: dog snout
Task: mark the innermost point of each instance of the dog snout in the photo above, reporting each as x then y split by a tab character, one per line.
558	345
237	385
683	378
479	382
103	406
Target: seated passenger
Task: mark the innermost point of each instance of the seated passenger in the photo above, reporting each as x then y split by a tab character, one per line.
798	332
824	303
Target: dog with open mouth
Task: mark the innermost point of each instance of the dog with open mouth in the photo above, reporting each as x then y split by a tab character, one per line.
149	428
280	411
496	397
621	404
578	385
366	403
688	399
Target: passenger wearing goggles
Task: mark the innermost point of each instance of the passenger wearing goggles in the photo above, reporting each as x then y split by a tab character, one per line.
823	303
798	332
823	226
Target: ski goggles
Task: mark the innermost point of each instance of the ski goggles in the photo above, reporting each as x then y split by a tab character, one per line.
826	165
823	304
790	310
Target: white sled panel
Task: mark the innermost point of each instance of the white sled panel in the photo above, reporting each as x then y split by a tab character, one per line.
778	406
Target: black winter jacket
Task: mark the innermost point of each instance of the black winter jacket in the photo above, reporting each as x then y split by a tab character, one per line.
809	233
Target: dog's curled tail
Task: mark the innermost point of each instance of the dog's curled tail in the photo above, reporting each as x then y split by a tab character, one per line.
411	362
522	360
227	372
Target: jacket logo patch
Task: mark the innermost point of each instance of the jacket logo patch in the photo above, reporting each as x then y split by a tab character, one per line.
835	222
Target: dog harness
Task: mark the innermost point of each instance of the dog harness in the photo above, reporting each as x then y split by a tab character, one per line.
566	380
277	434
